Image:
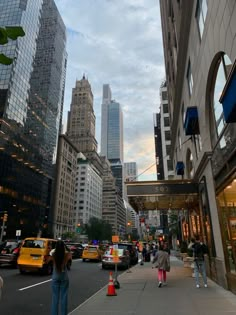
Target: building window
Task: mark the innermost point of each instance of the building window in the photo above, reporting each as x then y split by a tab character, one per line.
190	78
201	13
167	135
164	95
166	122
170	165
222	70
165	108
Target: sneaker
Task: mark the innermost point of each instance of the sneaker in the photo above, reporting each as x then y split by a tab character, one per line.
205	285
164	283
197	286
160	284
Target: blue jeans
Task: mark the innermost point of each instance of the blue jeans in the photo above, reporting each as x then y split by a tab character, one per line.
59	296
200	267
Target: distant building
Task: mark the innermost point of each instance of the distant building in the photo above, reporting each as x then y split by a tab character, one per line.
112	135
31	106
81	122
166	134
158	146
113	209
88	191
130	171
64	214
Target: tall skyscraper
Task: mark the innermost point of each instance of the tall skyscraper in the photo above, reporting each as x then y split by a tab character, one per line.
31	104
105	101
81	117
112	128
81	122
112	135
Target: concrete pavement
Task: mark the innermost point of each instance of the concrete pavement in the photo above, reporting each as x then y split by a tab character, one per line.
139	295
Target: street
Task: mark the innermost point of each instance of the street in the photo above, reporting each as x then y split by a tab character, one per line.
31	293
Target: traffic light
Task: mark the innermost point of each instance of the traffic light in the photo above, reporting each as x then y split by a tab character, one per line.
5	217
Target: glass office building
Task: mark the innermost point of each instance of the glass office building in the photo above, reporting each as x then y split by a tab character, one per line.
31	104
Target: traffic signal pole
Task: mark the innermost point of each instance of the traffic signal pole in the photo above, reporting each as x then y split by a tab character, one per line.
2	230
3	225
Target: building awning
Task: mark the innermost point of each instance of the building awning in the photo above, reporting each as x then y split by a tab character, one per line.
191	124
228	97
180	168
162	195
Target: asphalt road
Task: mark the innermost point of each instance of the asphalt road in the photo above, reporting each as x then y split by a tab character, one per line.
31	293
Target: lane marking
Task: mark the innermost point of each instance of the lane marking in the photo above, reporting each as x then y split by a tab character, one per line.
34	285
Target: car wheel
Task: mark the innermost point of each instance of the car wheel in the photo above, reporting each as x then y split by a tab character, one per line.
22	271
47	269
84	259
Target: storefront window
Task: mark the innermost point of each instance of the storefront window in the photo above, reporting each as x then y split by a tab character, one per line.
227	205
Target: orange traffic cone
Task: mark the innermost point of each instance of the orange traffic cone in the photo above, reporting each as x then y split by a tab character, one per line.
111	288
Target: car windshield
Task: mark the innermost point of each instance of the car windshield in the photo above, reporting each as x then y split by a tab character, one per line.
11	244
33	244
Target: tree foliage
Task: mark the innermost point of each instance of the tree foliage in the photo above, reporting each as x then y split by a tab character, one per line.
98	229
6	33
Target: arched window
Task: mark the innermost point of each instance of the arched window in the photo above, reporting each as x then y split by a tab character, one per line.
222	70
189	164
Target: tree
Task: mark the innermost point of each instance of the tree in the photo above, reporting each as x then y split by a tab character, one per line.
98	229
9	32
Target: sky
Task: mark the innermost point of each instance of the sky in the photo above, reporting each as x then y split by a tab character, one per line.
118	42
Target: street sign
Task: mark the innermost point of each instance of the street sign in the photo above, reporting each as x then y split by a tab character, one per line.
18	232
115	238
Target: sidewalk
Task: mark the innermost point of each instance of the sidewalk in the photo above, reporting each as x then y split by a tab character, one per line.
139	295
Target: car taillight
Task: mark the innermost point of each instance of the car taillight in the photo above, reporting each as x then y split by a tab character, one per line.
16	251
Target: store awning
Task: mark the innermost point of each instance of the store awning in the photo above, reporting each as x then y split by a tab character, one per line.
228	98
162	195
191	124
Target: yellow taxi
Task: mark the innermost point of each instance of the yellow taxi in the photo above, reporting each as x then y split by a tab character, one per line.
92	252
35	255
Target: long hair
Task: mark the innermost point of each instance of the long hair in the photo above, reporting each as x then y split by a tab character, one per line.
59	255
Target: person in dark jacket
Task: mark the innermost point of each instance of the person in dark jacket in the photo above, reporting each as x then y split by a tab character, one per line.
199	251
163	264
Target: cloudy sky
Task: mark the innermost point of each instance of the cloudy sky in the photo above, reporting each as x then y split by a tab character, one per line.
118	42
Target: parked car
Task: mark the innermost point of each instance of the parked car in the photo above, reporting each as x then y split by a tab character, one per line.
76	249
35	255
133	253
122	259
92	252
10	252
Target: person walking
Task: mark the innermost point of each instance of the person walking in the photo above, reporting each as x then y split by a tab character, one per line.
199	250
163	264
60	279
1	286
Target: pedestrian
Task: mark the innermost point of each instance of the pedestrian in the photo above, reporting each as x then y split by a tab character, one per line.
1	286
199	250
166	247
60	279
163	264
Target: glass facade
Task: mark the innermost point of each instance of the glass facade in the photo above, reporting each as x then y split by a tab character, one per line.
31	104
115	129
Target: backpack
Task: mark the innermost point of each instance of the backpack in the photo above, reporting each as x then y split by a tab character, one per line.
199	250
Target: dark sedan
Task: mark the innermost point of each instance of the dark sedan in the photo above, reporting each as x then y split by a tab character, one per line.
76	249
9	253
